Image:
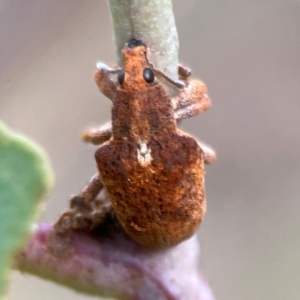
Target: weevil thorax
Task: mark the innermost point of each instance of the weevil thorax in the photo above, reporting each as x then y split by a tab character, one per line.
142	108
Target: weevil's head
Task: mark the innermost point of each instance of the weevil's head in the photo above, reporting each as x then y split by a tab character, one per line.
136	71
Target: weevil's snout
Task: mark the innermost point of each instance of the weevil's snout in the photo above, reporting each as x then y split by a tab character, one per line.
137	73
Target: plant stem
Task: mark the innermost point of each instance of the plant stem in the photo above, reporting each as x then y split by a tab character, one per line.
153	23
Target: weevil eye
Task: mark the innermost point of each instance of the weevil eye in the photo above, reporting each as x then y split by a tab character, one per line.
148	75
121	77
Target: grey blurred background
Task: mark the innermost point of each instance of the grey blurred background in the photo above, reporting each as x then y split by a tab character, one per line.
248	53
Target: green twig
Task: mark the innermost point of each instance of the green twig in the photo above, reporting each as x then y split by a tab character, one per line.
153	23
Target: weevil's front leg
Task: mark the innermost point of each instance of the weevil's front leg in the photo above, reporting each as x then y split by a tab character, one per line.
191	100
85	211
105	84
108	88
99	135
210	155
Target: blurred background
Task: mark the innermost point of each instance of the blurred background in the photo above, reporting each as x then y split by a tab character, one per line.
248	53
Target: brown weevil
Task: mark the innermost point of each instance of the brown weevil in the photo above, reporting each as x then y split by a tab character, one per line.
152	172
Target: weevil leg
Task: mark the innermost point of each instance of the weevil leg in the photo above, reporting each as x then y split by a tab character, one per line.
92	189
210	155
191	100
105	84
99	135
192	97
108	88
184	72
86	211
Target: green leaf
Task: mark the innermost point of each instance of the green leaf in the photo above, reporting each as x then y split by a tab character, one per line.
25	177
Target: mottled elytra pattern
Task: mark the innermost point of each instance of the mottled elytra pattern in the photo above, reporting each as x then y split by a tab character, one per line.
161	202
152	173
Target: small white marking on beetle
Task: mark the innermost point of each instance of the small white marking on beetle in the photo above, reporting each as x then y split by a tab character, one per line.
143	154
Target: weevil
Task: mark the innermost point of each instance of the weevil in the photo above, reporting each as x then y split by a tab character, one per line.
151	172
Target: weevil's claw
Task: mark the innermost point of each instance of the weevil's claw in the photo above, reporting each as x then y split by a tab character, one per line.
76	201
64	223
184	72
